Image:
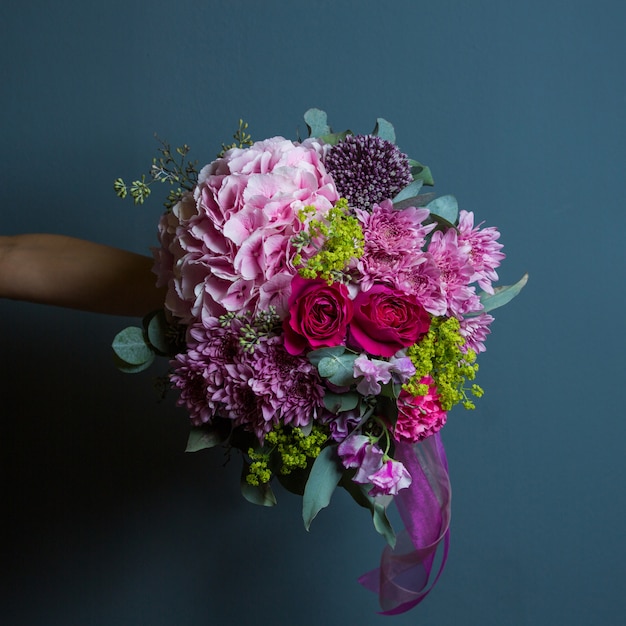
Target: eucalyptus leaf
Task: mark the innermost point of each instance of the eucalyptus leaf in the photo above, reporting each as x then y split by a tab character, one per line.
204	437
339	402
416	201
384	130
382	524
317	355
410	191
446	207
421	172
127	368
317	123
375	505
502	295
323	479
157	329
131	347
338	369
334	138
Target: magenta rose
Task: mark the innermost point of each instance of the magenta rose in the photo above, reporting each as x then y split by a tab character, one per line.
386	320
318	316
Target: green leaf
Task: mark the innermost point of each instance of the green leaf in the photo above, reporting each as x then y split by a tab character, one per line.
317	355
338	402
410	191
421	172
334	138
127	368
323	480
316	121
338	369
384	130
157	329
378	510
204	437
502	295
417	201
382	524
260	494
446	207
131	347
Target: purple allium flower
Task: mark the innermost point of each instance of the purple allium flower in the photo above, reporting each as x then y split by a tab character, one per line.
367	169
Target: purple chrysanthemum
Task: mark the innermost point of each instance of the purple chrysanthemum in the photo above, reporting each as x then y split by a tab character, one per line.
367	170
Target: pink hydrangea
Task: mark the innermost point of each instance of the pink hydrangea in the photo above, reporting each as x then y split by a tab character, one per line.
228	247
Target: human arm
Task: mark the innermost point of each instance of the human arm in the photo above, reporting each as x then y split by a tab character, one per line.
78	274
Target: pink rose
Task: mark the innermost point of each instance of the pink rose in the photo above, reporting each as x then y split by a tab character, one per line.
419	416
386	320
319	315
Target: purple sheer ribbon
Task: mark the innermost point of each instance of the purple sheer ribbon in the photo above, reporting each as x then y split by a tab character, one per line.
401	581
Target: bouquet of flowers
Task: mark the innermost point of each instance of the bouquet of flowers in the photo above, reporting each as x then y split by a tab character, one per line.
323	316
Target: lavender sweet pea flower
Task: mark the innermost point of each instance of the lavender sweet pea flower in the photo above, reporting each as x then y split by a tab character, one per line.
358	451
389	479
374	372
402	368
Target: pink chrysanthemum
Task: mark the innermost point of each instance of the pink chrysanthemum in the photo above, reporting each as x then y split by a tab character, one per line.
484	251
200	372
452	258
393	241
475	330
288	387
419	416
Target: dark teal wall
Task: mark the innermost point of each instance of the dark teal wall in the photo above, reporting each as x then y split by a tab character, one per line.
519	109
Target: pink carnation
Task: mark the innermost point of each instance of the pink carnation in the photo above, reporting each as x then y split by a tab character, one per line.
419	416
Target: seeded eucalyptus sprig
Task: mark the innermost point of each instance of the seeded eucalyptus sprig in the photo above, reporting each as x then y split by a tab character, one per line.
170	167
241	137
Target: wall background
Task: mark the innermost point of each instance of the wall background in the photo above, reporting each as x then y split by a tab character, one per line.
519	109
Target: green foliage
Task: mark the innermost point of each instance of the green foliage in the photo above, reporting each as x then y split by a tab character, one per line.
170	167
132	350
502	295
334	363
384	130
342	241
241	137
205	437
421	172
440	354
323	480
317	123
260	494
445	207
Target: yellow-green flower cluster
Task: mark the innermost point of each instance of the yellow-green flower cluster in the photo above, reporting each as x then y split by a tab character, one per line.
440	355
343	242
290	447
